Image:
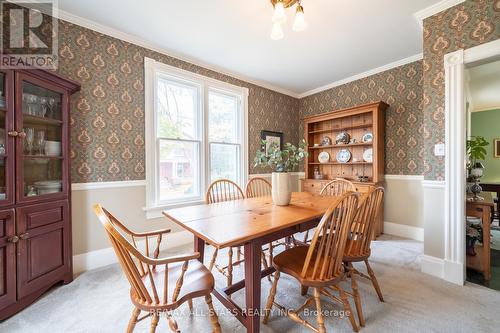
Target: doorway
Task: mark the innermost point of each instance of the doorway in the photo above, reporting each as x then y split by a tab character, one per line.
482	86
455	64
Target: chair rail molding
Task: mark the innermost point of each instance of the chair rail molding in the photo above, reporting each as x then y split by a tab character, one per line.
455	158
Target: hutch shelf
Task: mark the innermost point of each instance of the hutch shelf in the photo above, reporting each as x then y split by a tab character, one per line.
35	185
321	132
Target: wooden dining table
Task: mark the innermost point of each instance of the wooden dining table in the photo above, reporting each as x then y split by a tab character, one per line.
250	222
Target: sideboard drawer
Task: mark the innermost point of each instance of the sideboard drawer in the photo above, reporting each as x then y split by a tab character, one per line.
313	186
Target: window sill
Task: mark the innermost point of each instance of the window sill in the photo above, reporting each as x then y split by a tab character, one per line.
156	212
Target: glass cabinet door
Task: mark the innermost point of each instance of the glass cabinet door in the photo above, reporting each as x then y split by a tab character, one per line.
41	149
6	140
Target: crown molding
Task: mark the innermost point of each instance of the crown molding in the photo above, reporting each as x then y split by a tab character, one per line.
106	30
421	15
371	72
115	33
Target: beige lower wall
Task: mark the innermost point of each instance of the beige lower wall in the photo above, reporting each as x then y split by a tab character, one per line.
126	203
403	205
433	194
404	201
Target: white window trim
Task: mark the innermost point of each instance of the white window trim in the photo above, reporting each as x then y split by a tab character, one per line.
151	68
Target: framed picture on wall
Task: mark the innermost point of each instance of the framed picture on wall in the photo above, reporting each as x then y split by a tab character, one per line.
496	148
272	138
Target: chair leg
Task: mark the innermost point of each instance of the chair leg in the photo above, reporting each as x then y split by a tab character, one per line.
172	324
348	309
212	261
356	295
303	290
374	280
133	320
154	322
306	236
230	267
190	304
270	299
319	317
238	253
264	263
271	254
214	320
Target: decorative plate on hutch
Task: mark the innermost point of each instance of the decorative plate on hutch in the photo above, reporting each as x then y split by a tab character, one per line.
326	141
324	157
344	156
343	137
367	137
368	155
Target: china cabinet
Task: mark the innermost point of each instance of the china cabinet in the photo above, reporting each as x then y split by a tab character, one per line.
347	144
35	225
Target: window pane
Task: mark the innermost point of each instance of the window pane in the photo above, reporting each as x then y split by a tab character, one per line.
177	107
224	162
223	117
178	170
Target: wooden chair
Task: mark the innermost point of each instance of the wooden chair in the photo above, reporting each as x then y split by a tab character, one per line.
334	188
319	265
158	285
258	187
358	245
220	191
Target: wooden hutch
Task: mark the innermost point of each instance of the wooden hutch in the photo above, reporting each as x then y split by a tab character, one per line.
35	185
357	122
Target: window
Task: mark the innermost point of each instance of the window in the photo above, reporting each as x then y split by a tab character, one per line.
195	133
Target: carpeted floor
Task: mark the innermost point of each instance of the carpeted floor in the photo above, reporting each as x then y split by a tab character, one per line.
98	301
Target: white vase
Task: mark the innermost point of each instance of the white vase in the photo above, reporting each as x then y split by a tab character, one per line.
282	189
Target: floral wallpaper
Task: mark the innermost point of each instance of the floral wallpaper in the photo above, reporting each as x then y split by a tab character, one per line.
401	88
108	113
469	24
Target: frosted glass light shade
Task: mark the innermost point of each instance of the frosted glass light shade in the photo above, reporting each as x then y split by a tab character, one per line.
279	13
277	32
300	23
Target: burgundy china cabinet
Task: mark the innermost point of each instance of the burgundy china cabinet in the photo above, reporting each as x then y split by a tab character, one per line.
35	185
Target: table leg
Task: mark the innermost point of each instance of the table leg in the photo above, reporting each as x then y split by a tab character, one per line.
252	285
199	246
486	242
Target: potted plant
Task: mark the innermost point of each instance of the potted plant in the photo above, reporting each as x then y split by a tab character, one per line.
476	152
282	161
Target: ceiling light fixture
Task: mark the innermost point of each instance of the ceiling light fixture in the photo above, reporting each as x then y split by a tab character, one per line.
279	17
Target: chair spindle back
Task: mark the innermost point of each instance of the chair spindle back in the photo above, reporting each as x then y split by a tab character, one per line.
139	268
337	187
364	222
258	187
223	190
324	258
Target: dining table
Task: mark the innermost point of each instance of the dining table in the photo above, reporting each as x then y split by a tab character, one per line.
251	223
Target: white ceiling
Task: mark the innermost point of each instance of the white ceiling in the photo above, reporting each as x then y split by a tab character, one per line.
484	86
344	37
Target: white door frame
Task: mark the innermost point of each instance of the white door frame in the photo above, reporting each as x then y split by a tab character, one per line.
455	160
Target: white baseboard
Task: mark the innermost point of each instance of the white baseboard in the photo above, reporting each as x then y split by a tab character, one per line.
405	231
432	266
103	257
453	272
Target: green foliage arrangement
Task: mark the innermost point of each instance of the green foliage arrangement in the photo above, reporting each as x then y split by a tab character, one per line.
281	160
475	149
